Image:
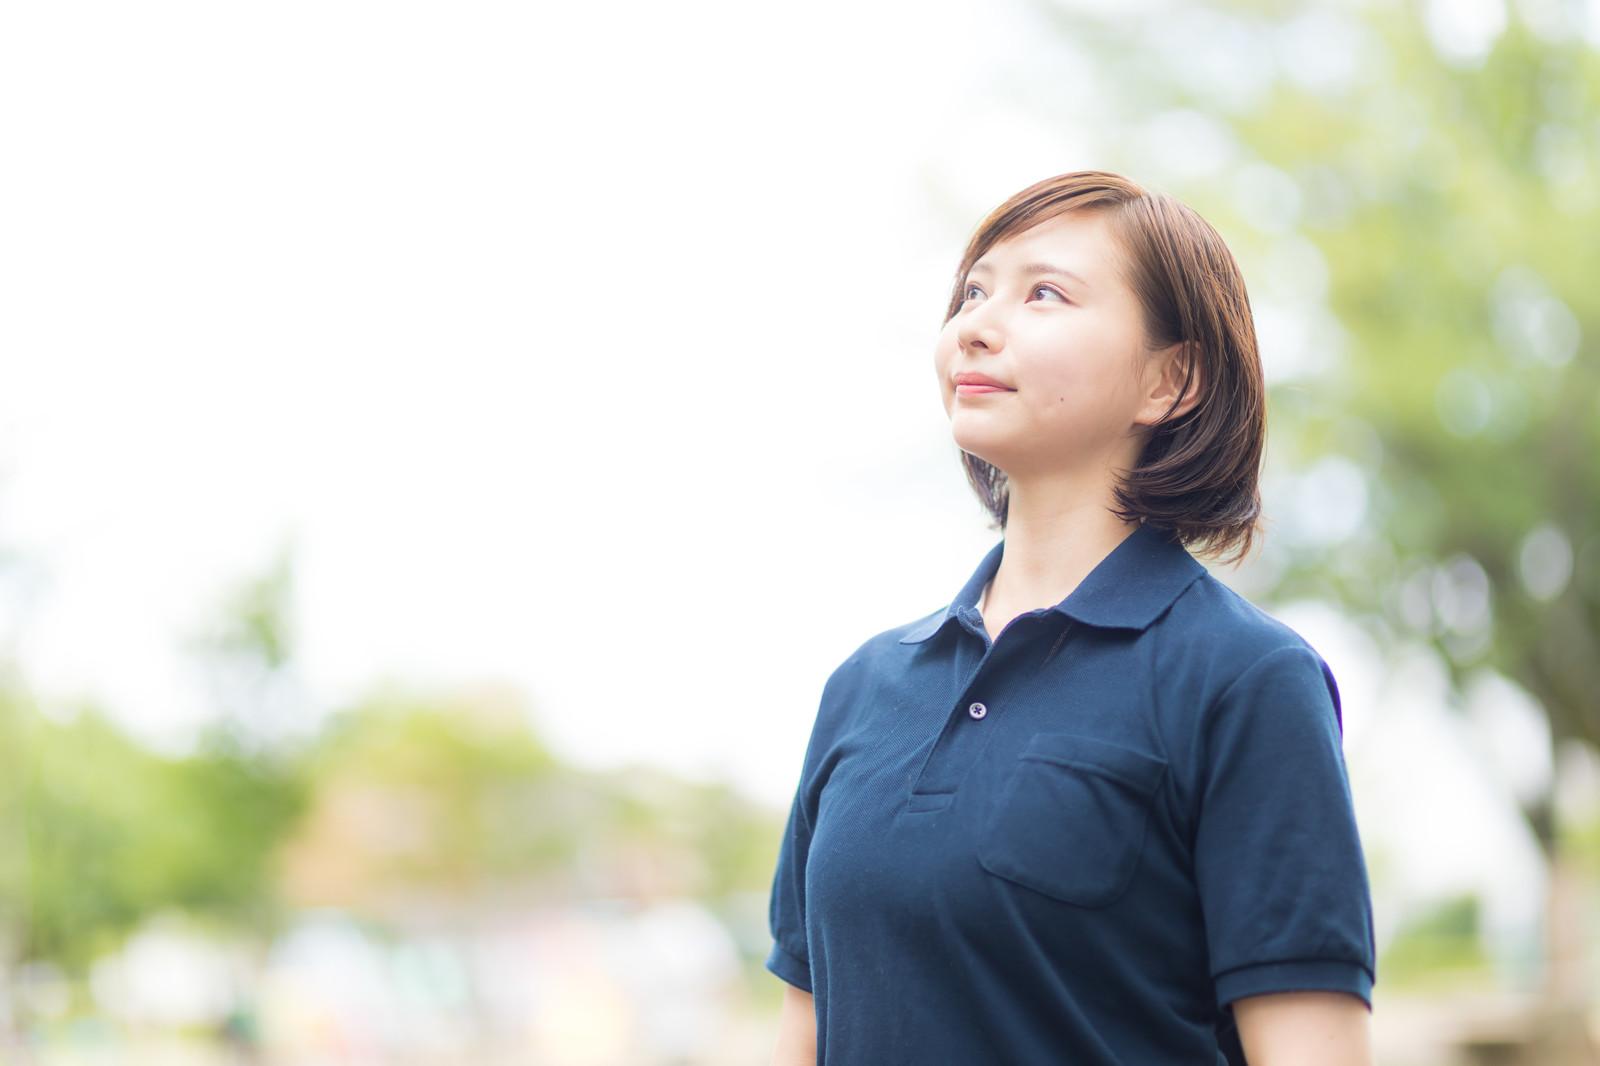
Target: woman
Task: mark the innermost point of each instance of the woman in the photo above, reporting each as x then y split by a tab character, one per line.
1095	810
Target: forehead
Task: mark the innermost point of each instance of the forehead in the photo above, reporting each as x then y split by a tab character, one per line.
1079	241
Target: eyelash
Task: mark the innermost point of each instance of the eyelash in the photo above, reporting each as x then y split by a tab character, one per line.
1036	288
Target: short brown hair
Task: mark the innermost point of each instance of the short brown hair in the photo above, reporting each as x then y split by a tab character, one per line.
1197	474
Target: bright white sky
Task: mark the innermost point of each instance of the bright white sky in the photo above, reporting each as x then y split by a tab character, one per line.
583	347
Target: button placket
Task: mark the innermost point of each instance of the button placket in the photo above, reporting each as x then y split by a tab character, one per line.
955	750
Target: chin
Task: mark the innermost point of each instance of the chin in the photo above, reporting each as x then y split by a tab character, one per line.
983	445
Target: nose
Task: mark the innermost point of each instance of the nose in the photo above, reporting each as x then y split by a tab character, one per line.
977	331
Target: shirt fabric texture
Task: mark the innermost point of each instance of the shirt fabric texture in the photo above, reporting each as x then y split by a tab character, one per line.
1078	843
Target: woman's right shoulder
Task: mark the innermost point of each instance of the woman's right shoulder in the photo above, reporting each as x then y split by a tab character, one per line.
888	648
877	658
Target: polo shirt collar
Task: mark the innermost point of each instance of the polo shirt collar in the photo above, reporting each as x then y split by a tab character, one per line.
1128	589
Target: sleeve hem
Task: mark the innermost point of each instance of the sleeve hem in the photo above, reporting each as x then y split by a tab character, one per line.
1295	975
791	968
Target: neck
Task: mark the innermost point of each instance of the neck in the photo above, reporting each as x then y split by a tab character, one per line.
1056	532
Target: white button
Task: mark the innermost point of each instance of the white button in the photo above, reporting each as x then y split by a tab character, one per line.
977	710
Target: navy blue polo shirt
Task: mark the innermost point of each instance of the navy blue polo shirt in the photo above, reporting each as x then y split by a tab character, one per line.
1078	842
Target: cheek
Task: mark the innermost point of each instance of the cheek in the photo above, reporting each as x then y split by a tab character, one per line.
1062	383
1077	392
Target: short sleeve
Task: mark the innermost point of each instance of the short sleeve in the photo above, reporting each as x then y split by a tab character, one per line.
786	911
1278	859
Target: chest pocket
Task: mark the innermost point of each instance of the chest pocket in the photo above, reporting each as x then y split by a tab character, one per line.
1069	818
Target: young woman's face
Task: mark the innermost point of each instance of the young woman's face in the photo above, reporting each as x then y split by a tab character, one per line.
1048	317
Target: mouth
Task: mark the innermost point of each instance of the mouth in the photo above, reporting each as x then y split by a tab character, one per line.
976	389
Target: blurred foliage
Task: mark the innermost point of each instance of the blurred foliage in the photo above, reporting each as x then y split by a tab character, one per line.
1580	839
427	795
1438	949
254	619
406	805
1430	219
455	796
114	832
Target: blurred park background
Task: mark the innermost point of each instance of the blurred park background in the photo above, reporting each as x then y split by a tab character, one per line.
444	449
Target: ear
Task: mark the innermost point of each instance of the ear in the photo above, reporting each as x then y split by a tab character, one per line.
1162	382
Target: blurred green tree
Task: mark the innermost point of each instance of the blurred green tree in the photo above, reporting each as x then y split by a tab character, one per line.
451	798
115	832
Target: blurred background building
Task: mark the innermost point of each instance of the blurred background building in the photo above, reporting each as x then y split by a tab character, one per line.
444	449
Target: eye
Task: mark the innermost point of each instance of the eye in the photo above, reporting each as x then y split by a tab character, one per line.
966	293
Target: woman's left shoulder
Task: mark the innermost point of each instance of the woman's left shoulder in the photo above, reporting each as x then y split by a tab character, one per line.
1219	641
1219	621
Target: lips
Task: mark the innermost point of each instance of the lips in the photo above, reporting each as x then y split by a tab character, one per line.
971	384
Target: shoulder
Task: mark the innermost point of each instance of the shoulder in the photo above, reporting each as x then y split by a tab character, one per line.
1220	629
878	656
878	663
1214	615
849	693
877	660
1220	644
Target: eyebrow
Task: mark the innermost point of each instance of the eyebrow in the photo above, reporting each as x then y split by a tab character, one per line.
1033	268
